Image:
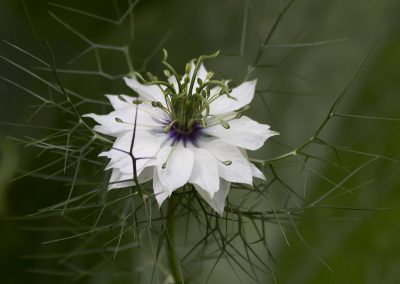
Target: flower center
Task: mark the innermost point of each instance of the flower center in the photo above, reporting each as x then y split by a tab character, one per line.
185	133
187	98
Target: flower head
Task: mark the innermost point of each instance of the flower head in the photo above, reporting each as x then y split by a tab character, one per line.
187	129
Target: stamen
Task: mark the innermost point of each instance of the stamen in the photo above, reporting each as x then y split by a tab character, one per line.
225	124
238	115
164	166
196	70
167	73
169	126
187	107
121	98
188	67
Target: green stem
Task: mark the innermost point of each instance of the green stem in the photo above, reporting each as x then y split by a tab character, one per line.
172	258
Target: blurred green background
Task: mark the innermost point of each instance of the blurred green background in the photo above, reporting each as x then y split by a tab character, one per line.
360	246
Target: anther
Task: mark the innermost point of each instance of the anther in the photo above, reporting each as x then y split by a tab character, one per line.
210	75
225	124
167	73
227	163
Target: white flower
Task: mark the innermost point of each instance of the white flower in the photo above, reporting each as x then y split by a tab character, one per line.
187	132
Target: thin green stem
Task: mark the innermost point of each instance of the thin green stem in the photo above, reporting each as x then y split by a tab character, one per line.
172	258
260	52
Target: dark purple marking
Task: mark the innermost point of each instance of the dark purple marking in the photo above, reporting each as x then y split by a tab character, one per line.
179	133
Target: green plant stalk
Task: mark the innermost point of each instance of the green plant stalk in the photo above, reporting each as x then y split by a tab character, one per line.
172	258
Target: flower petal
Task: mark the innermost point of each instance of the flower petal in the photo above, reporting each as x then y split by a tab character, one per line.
146	174
150	93
160	191
201	73
205	171
256	172
108	124
172	80
243	95
232	165
174	165
243	132
217	202
117	122
118	181
119	102
121	180
145	148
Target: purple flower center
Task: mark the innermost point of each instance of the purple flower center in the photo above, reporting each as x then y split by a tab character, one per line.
179	132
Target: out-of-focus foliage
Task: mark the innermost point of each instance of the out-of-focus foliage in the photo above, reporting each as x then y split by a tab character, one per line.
301	83
8	163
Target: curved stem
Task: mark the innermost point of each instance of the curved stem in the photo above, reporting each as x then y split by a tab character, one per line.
172	258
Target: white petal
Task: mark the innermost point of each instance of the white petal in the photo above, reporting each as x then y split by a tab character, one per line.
160	191
146	174
239	169
201	73
243	132
118	181
174	165
217	202
145	148
148	118
256	172
121	180
243	95
172	80
120	101
108	124
205	171
150	93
